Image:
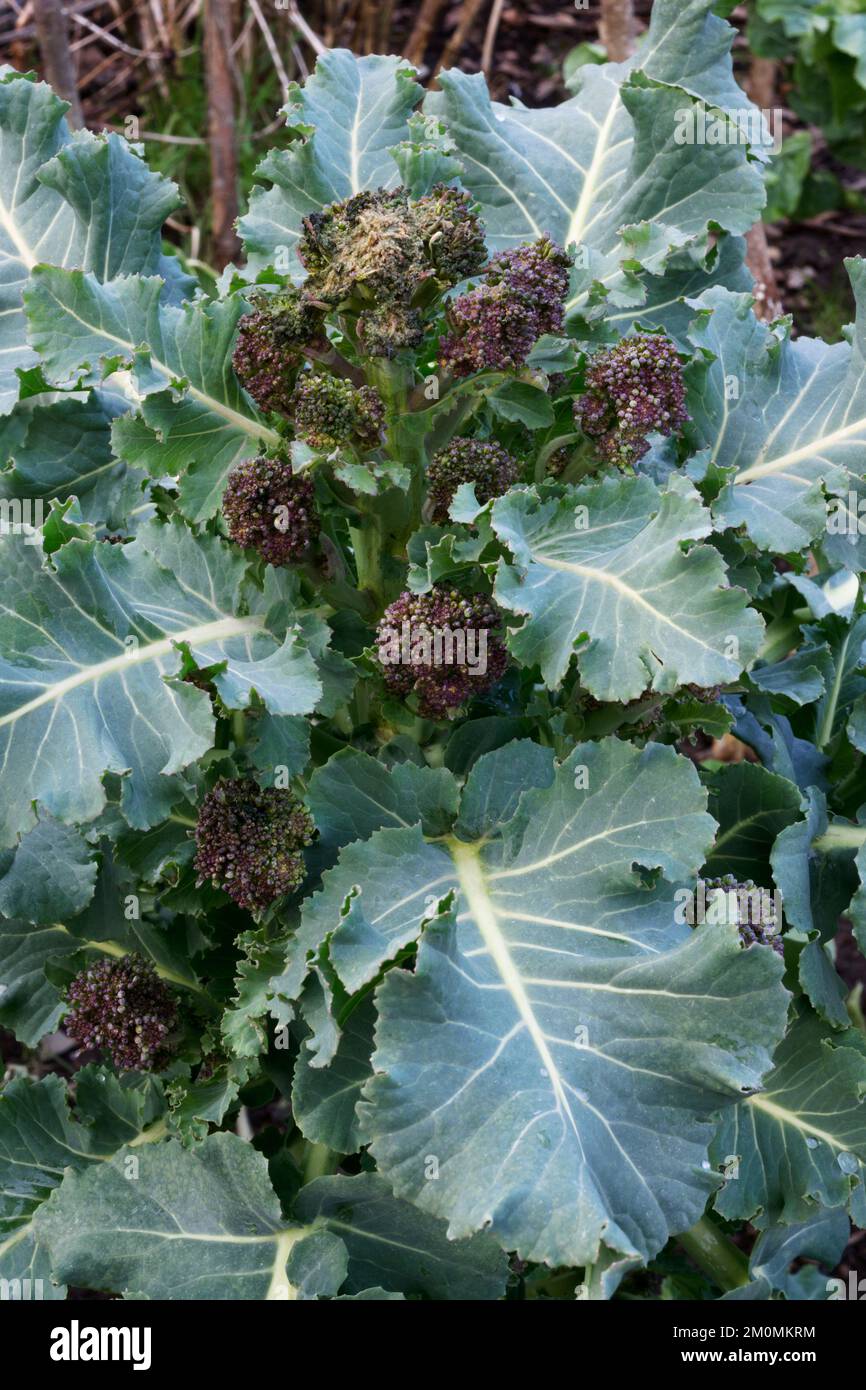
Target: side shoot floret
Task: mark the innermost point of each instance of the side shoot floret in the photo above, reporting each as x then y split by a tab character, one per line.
249	841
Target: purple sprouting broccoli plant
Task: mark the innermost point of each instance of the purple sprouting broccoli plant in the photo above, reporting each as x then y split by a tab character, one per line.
633	390
482	462
469	995
250	841
496	325
443	647
123	1008
270	509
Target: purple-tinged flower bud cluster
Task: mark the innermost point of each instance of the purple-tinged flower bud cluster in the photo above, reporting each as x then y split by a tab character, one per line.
249	841
329	411
490	467
123	1008
269	346
496	325
443	647
271	509
633	390
758	921
384	244
490	329
539	274
382	254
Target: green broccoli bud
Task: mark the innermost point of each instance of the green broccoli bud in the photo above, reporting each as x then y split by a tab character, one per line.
249	841
490	467
452	234
384	331
329	411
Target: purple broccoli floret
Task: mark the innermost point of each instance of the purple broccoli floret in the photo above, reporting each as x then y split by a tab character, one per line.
496	325
633	390
442	647
250	840
271	509
123	1008
757	919
269	347
539	273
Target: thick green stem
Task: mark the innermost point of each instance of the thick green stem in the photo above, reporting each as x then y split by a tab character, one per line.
367	549
840	837
319	1163
781	636
393	380
361	703
552	447
716	1255
239	728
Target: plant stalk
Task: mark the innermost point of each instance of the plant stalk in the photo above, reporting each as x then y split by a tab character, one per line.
320	1162
716	1255
367	548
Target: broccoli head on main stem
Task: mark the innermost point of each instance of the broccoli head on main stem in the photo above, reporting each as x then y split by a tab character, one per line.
382	253
387	244
250	840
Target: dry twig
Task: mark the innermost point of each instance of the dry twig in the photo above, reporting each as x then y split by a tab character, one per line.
57	61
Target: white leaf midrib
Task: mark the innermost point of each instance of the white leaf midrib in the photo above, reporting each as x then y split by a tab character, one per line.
219	630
